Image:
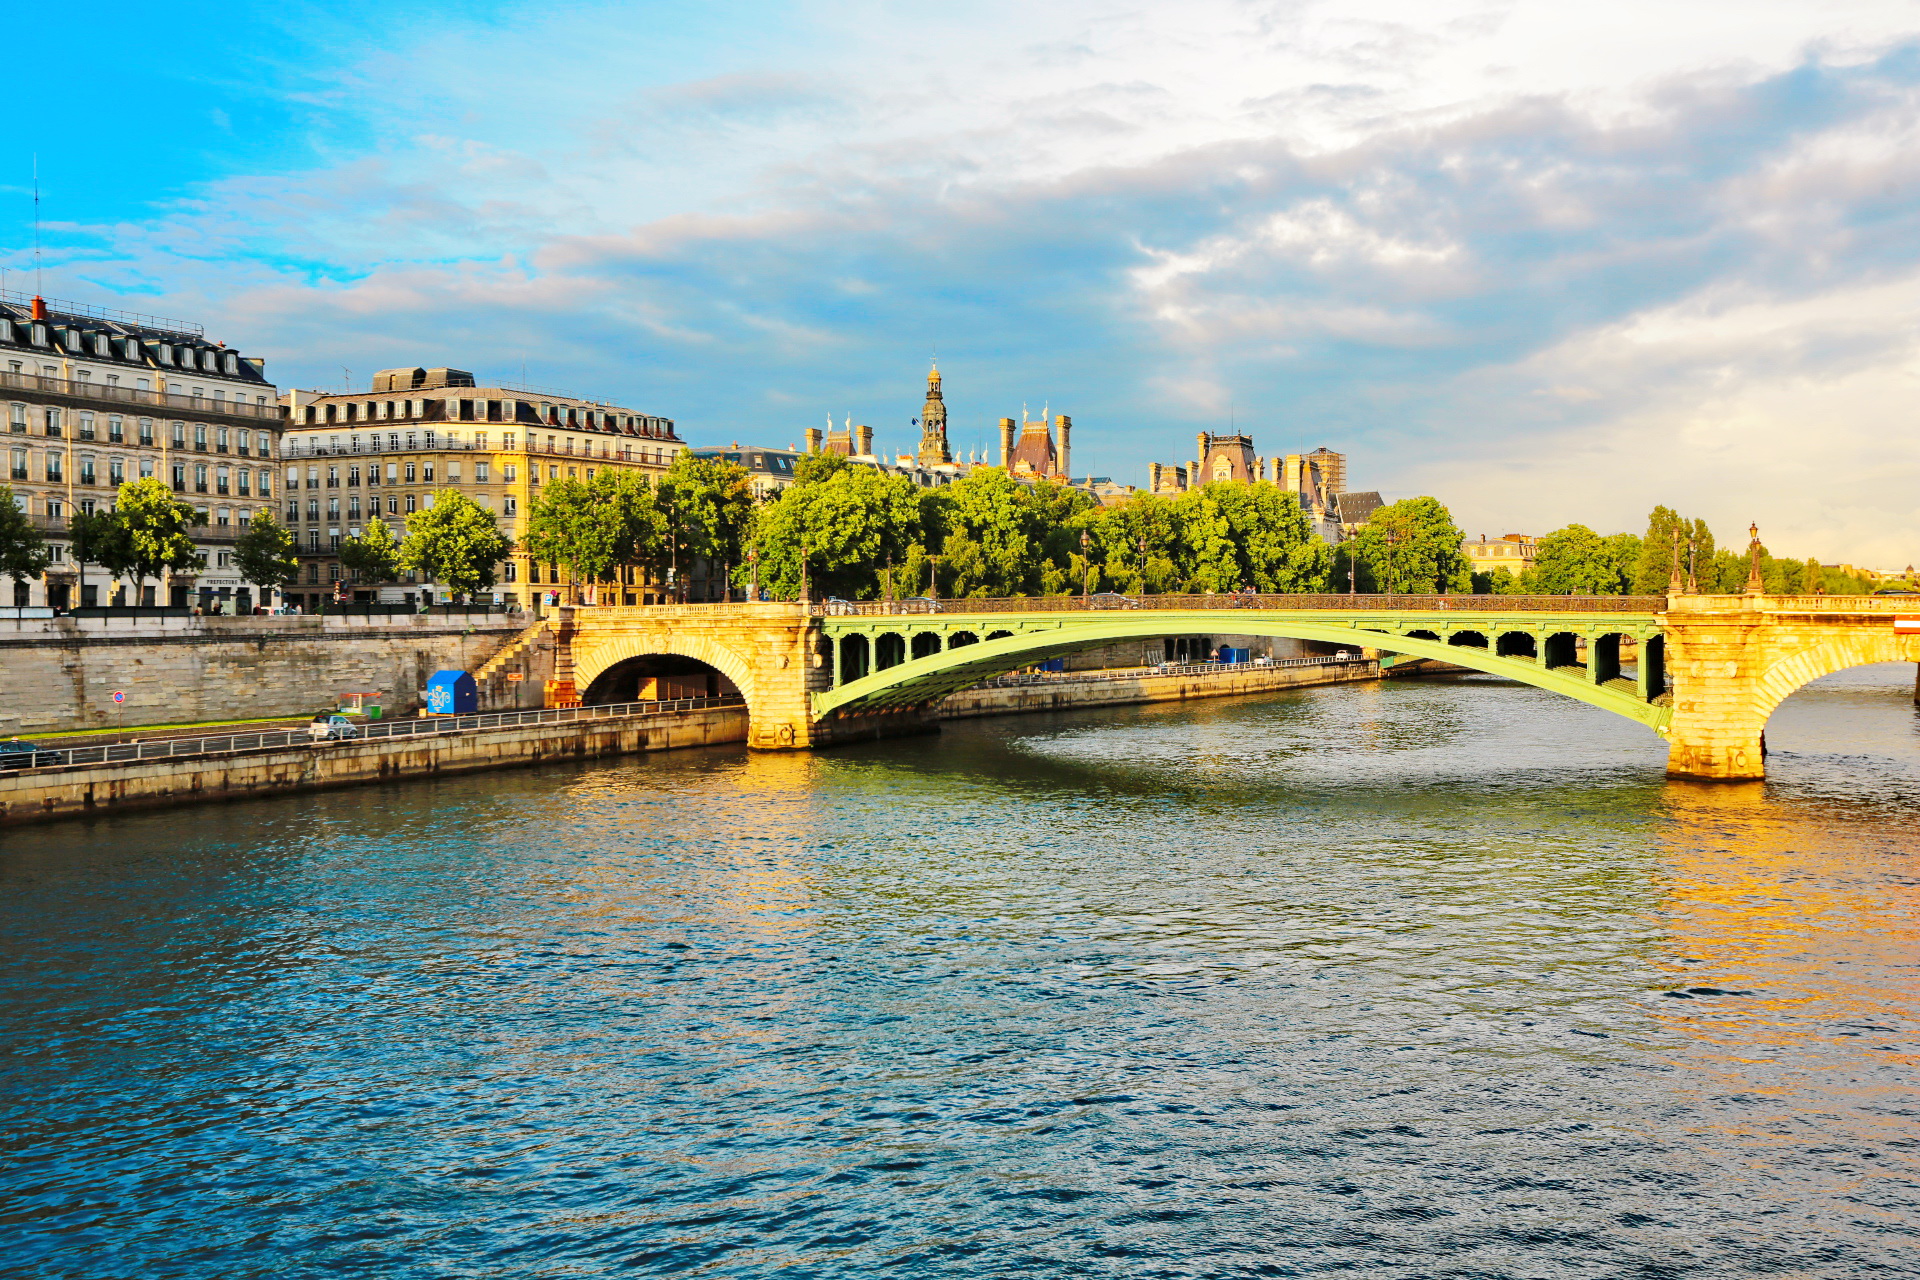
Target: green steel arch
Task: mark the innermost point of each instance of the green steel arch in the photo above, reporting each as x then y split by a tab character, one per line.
1036	637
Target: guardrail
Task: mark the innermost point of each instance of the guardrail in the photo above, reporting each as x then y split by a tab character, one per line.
1017	679
273	739
1344	603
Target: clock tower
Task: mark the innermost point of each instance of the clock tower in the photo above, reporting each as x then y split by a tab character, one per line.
933	425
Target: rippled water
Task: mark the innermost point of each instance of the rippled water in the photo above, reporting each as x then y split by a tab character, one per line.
1429	979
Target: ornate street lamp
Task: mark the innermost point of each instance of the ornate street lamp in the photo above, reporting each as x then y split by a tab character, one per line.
1086	573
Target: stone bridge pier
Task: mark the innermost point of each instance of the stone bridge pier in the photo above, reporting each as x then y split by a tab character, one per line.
772	653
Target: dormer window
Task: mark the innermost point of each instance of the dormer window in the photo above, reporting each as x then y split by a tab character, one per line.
72	339
133	349
232	363
39	335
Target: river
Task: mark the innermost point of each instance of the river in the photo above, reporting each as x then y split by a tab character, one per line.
1431	978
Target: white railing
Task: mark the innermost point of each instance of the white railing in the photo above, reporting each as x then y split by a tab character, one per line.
1019	678
278	739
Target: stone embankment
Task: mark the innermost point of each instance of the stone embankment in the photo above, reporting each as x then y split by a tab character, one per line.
61	673
1021	695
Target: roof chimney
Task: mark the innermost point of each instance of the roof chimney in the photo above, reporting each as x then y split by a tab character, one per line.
39	307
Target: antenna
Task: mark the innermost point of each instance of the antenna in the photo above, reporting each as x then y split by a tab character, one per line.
36	224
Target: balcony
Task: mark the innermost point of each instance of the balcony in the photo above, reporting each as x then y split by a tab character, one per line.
92	393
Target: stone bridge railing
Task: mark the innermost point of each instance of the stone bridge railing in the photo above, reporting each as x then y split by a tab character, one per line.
1192	603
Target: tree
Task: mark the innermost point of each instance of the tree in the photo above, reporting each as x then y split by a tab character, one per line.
1250	535
1576	561
456	543
1666	530
1412	547
267	555
711	501
850	520
374	556
1138	544
156	525
97	537
593	527
23	552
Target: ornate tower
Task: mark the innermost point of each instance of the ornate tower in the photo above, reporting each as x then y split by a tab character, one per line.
933	424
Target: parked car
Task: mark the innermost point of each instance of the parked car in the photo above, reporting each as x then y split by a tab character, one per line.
920	604
1111	600
834	604
18	753
331	727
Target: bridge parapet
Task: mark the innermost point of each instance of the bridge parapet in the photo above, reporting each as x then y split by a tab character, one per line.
1112	602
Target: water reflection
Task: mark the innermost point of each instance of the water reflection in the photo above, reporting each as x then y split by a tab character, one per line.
1421	979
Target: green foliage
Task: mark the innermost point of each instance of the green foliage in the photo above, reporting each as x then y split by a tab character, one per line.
593	526
456	543
99	537
709	504
155	525
374	556
850	520
23	552
1412	547
1667	530
1577	561
266	554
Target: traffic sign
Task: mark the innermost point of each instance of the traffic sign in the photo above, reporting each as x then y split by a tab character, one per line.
118	696
1906	626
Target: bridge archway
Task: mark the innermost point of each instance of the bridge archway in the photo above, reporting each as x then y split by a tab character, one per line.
922	680
1790	674
660	677
609	663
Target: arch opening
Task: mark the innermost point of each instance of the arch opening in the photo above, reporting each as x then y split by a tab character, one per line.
961	639
889	650
926	644
1516	644
853	659
658	677
1563	650
1468	639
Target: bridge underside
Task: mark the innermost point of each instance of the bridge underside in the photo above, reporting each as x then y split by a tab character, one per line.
926	657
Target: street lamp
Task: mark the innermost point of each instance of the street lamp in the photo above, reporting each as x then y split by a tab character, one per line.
1086	573
933	583
806	588
1143	564
753	558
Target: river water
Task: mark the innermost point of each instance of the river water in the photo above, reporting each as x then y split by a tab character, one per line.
1422	979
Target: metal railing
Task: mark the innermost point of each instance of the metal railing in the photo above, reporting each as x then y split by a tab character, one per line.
625	453
277	739
1016	679
1214	603
166	402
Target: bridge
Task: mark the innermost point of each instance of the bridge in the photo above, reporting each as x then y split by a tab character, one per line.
1703	672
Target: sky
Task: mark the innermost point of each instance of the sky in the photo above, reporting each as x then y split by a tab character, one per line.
1547	263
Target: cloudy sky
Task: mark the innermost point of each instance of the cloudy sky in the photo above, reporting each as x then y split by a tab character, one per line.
1547	262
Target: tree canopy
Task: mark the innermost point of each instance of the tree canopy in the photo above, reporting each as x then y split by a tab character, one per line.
266	553
455	542
156	524
374	556
1411	547
23	551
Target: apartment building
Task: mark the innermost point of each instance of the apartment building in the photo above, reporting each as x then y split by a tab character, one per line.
390	450
95	397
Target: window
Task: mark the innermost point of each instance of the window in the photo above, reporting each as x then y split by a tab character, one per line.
179	477
56	466
486	501
390	474
510	571
453	472
333	477
313	508
263	443
56	509
479	439
53	422
509	505
509	472
199	477
146	468
146	431
507	441
426	500
480	473
293	511
353	477
179	435
220	439
410	507
313	477
223	518
116	471
313	544
266	483
116	430
200	437
221	480
333	508
333	570
353	507
410	475
19	464
86	470
393	505
246	482
86	426
426	472
17	419
553	473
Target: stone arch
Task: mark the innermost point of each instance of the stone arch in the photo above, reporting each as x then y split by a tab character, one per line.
594	658
1788	675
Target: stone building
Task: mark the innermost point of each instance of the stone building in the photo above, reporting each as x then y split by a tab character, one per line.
1318	479
353	455
96	398
1042	450
933	425
1514	554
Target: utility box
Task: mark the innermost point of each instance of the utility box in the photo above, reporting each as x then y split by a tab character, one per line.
452	693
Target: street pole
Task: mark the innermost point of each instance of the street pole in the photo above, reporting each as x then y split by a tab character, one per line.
1086	573
933	582
1143	564
753	558
806	587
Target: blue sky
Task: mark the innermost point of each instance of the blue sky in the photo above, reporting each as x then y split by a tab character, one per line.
1546	265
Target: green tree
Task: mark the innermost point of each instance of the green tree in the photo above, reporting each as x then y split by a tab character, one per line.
156	525
23	551
1577	561
1138	545
97	537
593	527
374	556
267	556
711	501
1250	535
1412	547
849	519
456	543
1667	530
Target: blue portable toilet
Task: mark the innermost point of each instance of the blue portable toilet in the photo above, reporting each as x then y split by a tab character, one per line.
452	693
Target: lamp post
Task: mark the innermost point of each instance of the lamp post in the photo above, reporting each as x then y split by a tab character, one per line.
887	589
933	577
1693	580
806	587
753	558
1143	564
1086	573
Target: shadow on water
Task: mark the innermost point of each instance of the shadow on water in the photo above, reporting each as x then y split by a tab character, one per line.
1422	978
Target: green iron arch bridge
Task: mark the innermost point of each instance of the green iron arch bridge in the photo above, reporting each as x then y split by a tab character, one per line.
888	655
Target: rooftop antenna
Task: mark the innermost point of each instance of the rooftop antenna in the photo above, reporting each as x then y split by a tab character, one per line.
346	378
36	224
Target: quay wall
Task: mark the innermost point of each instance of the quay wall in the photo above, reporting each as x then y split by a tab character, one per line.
83	790
1067	695
60	674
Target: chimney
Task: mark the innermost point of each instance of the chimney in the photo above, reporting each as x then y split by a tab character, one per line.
1065	424
813	439
863	440
1006	442
39	307
1153	476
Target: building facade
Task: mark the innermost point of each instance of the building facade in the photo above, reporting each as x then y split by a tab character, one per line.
388	452
1041	450
96	398
1514	553
934	451
1318	479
